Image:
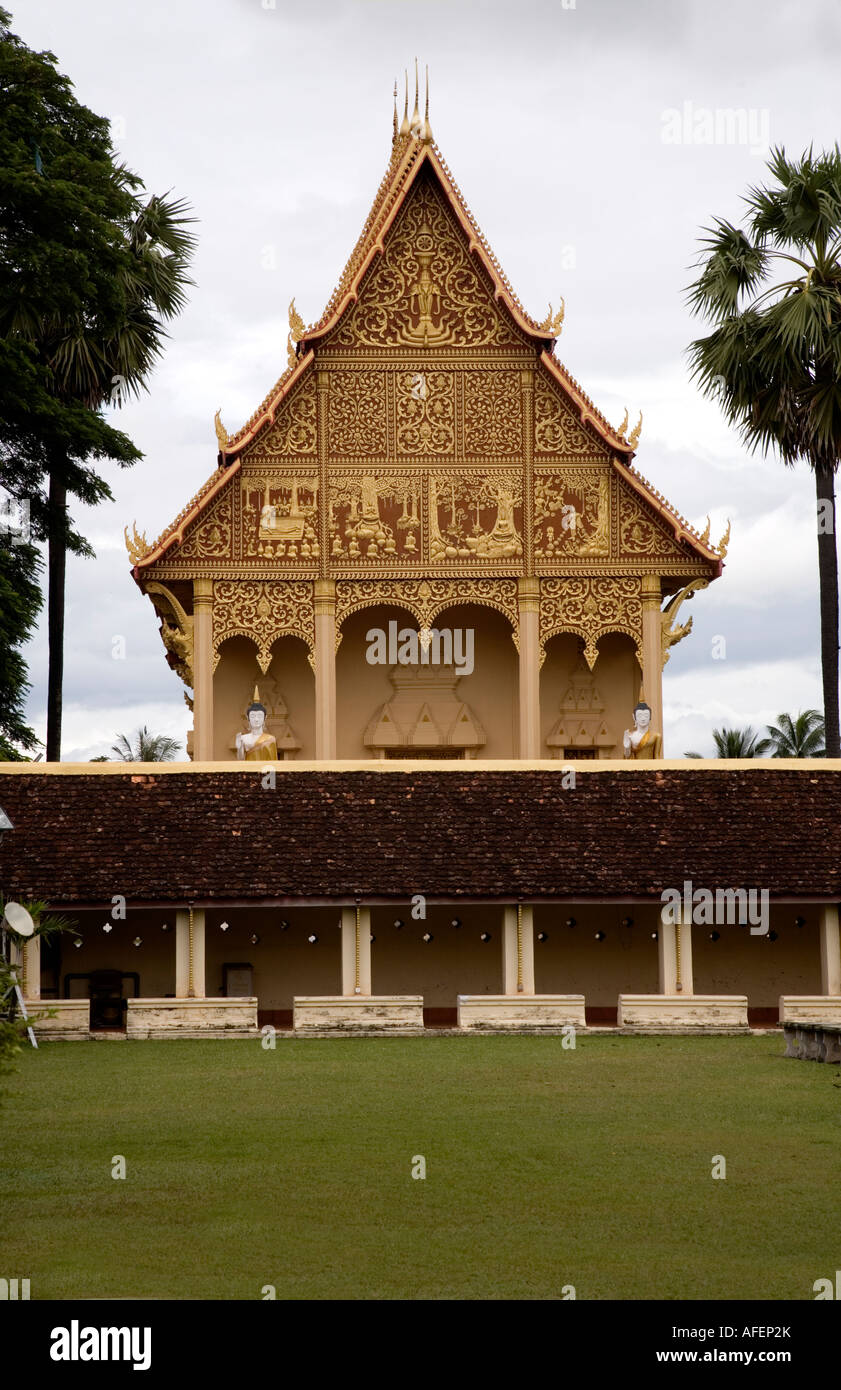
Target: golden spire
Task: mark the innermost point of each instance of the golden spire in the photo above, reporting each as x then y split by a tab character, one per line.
415	123
426	128
634	436
394	127
404	124
255	699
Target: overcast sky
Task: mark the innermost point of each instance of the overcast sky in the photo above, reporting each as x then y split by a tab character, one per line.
560	122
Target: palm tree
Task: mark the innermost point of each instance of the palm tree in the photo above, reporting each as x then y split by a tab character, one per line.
802	737
773	292
736	743
148	748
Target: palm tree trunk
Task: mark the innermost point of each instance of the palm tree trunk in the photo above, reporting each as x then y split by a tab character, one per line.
57	549
828	573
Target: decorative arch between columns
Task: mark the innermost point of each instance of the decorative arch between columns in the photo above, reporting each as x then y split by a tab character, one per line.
426	599
590	607
263	611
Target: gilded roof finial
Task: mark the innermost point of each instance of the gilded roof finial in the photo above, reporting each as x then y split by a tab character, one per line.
705	534
415	124
724	542
291	354
394	127
221	432
297	326
404	124
622	428
426	128
634	436
137	545
551	325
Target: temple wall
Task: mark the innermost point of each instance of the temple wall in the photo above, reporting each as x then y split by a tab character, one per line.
455	962
284	962
154	960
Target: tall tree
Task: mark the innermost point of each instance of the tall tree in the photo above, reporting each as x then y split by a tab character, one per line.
773	360
90	274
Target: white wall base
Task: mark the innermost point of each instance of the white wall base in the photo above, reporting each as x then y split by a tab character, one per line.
192	1018
72	1018
392	1013
677	1013
810	1008
520	1011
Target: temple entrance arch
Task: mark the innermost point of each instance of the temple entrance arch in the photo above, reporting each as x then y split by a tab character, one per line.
584	712
287	689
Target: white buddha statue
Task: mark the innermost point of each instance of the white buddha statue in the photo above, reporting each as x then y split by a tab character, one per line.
642	741
257	745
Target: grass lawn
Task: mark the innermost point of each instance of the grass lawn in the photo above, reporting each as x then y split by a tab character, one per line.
545	1167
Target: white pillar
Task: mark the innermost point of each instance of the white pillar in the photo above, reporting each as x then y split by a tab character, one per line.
674	958
356	950
203	670
529	620
518	951
189	984
830	950
325	668
31	971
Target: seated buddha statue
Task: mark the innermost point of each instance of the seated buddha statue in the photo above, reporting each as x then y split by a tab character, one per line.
642	741
256	746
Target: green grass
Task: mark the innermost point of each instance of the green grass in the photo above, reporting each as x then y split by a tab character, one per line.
545	1167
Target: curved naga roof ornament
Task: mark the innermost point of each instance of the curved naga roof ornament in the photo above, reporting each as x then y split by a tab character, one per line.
137	545
551	325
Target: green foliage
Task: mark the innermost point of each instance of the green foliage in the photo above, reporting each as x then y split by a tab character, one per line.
737	743
20	601
800	737
147	748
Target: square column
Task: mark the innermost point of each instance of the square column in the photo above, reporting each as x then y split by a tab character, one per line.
356	951
203	670
325	668
674	958
189	955
528	602
518	951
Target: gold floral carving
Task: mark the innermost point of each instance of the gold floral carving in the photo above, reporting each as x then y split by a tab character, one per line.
176	630
425	290
357	413
211	540
293	432
475	516
425	411
591	607
263	612
425	599
556	430
492	413
639	533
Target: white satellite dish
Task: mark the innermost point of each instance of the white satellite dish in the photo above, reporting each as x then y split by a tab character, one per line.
17	919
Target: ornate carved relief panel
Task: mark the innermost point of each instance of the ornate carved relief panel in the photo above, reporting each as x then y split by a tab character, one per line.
263	612
591	606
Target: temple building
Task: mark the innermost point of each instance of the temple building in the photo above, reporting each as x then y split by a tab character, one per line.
423	591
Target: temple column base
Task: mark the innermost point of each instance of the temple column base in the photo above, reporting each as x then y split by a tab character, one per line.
358	1013
810	1008
192	1018
679	1013
520	1011
71	1021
